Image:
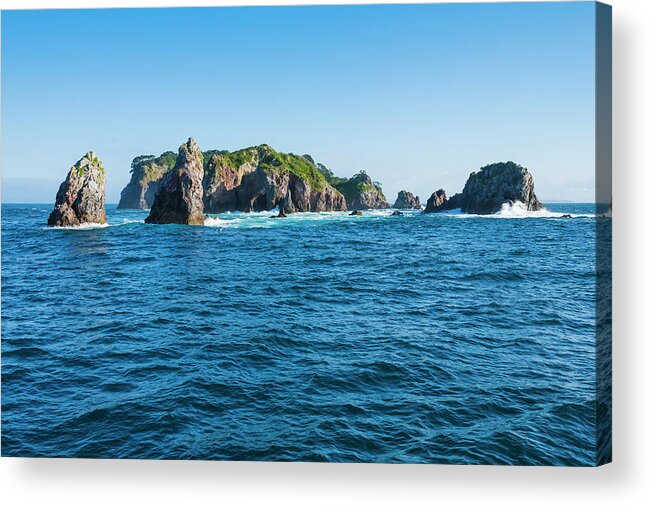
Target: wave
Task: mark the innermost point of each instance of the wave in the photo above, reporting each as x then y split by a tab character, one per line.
516	210
216	222
519	210
93	226
83	226
257	218
126	221
262	219
372	329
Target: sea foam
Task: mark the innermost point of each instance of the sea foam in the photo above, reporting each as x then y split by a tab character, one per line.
516	210
83	226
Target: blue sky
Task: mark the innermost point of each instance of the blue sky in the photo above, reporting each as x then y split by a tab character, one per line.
417	95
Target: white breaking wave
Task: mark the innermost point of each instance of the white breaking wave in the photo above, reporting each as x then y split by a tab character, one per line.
216	222
93	226
263	219
83	226
125	222
233	220
519	210
516	210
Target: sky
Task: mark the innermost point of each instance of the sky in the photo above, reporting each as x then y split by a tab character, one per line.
419	96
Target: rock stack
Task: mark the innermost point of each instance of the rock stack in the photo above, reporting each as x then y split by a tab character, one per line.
438	201
406	200
81	197
179	198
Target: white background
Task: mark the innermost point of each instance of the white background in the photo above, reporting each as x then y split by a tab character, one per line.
626	481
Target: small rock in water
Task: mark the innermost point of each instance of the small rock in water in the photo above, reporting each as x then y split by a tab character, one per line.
281	214
356	212
397	213
566	216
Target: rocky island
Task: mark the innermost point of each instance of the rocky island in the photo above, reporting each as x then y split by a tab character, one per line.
486	190
181	188
81	196
179	198
361	192
257	178
406	200
438	201
260	178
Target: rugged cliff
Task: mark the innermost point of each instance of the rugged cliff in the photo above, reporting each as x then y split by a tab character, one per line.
147	171
486	190
260	178
179	198
81	197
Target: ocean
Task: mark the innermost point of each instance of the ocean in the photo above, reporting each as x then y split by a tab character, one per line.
442	338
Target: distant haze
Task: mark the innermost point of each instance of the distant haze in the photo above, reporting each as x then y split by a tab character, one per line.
419	96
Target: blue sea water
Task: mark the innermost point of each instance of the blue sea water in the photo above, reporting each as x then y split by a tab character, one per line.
420	338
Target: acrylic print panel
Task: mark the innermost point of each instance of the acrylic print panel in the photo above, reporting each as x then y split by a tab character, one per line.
337	233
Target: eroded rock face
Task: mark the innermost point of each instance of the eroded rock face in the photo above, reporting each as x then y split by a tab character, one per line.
406	200
260	179
362	193
179	198
147	171
263	190
496	184
486	190
222	178
437	202
81	197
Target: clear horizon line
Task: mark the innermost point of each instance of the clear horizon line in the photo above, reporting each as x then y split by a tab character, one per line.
550	201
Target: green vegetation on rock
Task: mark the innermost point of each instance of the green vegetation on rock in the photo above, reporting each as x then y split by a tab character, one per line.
224	158
224	170
297	165
89	159
269	160
493	170
148	168
241	157
329	175
359	183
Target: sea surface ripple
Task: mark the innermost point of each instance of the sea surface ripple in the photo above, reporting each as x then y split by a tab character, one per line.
320	337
